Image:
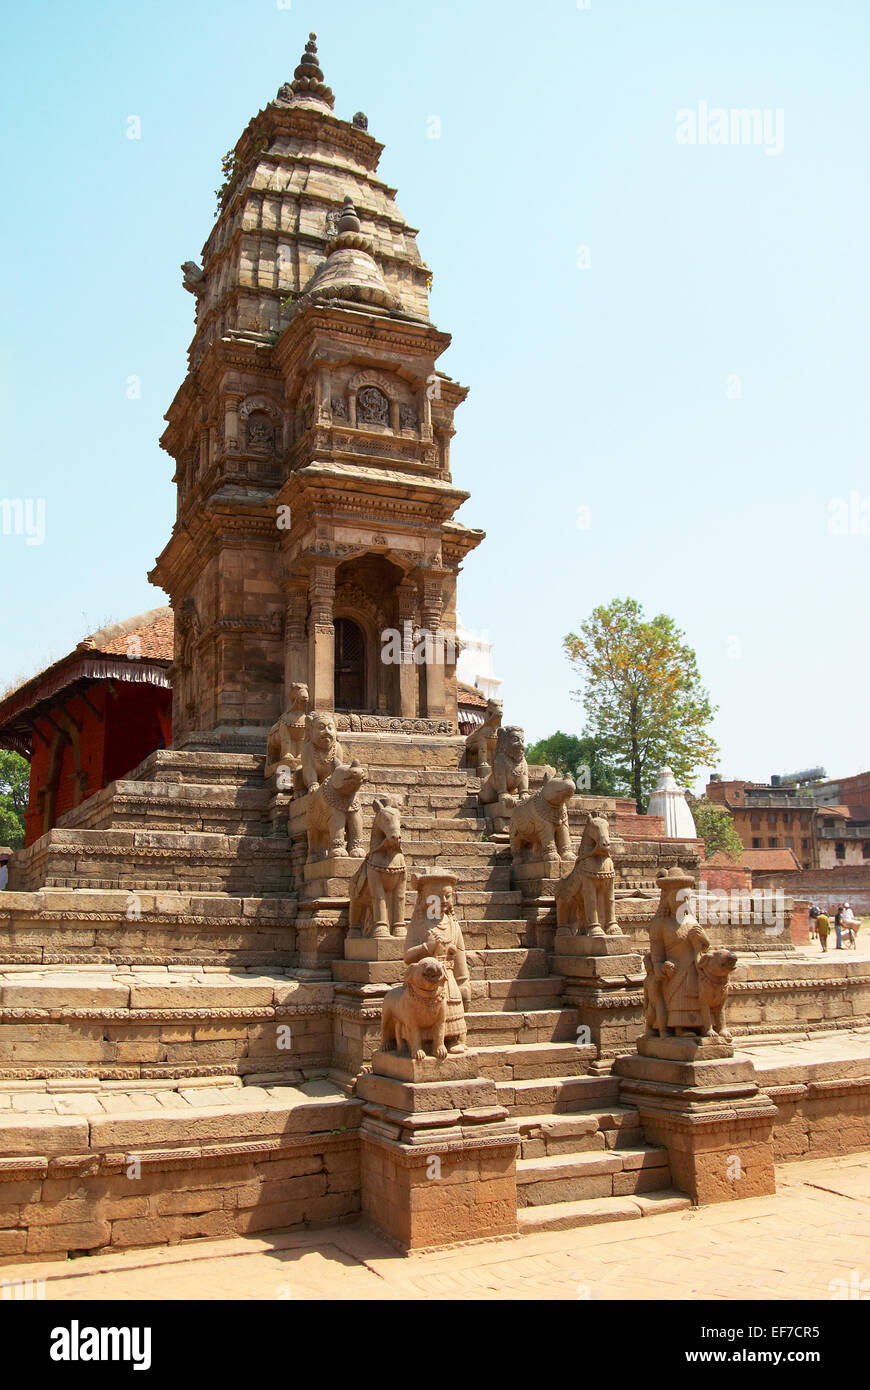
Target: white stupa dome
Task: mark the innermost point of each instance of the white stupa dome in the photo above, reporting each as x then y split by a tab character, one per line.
669	800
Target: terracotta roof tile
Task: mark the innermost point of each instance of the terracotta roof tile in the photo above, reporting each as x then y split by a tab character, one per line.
471	696
148	636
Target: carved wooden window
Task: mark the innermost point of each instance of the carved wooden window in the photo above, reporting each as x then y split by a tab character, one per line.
350	665
372	406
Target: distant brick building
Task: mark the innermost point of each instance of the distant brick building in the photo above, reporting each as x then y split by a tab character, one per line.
92	716
843	826
771	818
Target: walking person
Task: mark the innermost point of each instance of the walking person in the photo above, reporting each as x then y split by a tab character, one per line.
823	926
838	926
4	867
850	924
814	912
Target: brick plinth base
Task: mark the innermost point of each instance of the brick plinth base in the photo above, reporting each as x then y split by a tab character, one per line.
702	1103
53	1208
438	1195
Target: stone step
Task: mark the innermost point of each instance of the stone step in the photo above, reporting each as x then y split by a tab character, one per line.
212	1160
548	1134
500	963
504	1026
155	860
565	1216
469	827
532	1061
114	1023
494	933
177	765
492	878
491	906
575	1177
466	851
557	1094
517	995
199	807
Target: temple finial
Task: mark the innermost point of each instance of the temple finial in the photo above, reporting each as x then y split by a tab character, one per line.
308	83
348	221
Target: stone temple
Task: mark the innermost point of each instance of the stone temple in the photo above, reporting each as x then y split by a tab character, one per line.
324	958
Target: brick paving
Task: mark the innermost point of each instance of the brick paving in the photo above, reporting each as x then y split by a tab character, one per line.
815	1231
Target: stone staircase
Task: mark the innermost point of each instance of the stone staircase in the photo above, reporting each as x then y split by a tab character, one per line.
583	1157
148	951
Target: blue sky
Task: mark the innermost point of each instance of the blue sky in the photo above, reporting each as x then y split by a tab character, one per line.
700	387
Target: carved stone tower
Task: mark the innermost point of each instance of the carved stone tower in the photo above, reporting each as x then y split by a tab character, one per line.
312	443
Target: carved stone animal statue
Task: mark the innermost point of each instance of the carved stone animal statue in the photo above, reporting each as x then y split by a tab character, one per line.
194	277
480	744
417	1010
655	1010
321	751
334	818
377	889
508	778
585	898
539	825
714	968
284	743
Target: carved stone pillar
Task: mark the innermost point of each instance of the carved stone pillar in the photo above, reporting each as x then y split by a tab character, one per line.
231	423
433	610
394	417
442	440
295	636
321	637
322	412
407	596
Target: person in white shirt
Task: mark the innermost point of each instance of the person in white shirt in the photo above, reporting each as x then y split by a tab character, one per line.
850	923
4	869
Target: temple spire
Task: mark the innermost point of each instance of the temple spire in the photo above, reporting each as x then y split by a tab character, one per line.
308	84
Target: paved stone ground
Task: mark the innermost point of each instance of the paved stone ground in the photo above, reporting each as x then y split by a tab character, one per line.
816	1231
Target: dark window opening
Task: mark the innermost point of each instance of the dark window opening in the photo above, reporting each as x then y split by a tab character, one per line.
350	665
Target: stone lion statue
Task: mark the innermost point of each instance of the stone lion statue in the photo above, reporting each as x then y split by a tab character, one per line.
417	1010
539	825
480	744
585	898
334	821
321	750
377	889
714	969
508	777
284	742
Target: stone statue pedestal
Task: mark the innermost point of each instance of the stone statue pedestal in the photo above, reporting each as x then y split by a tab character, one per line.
701	1101
537	878
370	967
329	878
602	977
279	811
498	816
437	1152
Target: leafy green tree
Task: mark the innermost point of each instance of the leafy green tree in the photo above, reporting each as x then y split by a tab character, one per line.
644	701
575	757
715	825
14	789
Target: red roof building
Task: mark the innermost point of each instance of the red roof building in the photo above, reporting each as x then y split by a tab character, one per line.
91	717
